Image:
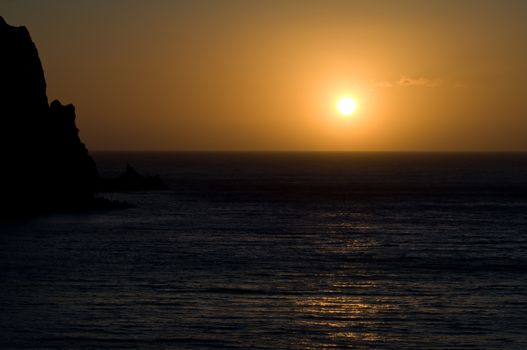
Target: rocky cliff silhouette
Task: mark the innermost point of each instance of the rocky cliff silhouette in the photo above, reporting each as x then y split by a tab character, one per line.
44	164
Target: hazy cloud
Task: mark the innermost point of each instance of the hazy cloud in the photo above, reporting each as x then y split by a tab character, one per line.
421	81
383	84
406	81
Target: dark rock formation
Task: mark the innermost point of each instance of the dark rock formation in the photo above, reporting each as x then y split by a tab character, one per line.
44	164
131	180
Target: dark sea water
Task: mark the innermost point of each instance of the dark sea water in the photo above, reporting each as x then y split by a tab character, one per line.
280	251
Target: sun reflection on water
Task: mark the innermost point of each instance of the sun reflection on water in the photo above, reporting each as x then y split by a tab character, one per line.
345	319
346	311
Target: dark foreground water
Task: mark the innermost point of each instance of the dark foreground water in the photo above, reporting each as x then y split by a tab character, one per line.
280	251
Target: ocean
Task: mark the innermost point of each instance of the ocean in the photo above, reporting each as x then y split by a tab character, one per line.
280	251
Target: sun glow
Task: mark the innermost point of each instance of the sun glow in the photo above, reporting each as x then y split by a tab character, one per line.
346	106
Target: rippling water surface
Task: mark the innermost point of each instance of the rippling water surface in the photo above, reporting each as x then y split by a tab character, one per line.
280	251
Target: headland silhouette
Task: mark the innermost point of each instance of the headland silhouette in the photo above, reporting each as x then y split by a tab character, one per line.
45	165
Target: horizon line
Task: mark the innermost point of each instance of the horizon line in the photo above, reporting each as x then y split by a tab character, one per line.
299	151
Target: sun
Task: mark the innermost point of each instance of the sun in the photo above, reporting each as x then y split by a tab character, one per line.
346	106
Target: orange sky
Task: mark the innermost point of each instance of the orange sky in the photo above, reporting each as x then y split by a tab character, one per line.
248	75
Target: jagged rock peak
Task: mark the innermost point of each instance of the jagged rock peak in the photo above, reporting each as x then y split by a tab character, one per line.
45	164
23	83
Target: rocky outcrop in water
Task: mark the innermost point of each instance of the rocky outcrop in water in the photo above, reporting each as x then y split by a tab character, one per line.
130	181
44	164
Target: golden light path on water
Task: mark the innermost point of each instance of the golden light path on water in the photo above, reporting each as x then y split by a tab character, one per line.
347	316
346	312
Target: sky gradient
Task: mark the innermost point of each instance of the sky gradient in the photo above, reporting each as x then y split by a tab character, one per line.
266	75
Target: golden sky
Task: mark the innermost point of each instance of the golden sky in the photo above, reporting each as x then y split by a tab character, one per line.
266	75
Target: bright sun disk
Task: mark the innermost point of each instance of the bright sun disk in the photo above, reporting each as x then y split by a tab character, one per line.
346	106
